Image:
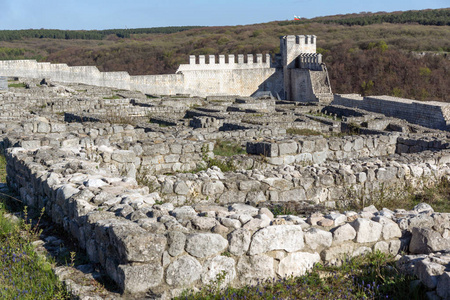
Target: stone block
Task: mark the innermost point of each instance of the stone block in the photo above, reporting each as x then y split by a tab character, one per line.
239	241
217	266
253	269
426	240
139	278
297	264
287	148
278	237
317	239
205	244
367	231
183	272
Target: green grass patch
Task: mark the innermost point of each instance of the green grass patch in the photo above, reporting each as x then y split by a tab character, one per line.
113	97
24	274
226	148
373	276
17	85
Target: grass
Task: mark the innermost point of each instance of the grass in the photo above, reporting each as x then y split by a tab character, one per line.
372	276
113	97
17	85
227	148
402	196
24	274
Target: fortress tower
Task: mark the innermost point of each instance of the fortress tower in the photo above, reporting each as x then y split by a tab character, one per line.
305	77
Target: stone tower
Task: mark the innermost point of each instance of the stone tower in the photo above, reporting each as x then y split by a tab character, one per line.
305	76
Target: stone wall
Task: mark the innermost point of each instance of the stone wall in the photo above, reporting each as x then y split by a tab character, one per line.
430	114
162	249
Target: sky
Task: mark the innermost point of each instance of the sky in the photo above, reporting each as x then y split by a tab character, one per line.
109	14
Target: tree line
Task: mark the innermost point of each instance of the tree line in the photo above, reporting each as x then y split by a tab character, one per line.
11	35
437	17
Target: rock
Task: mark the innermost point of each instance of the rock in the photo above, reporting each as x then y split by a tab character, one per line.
231	223
220	229
428	272
139	278
335	254
253	224
212	188
381	246
135	244
123	156
180	188
240	208
184	213
219	266
278	237
265	220
266	211
325	222
183	271
317	238
426	240
443	286
390	228
367	231
239	240
343	233
205	244
176	241
423	208
204	223
252	269
94	182
371	209
296	264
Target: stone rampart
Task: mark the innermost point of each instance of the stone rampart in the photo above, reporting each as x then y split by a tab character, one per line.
430	114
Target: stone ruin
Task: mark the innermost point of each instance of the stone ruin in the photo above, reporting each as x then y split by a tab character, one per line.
126	175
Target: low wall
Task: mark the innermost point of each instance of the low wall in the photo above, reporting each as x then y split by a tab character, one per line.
430	114
162	249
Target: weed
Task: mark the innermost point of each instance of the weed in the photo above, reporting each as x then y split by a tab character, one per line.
373	276
113	97
227	148
302	131
17	85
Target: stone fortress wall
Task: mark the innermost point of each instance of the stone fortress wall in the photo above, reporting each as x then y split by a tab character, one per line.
241	77
430	114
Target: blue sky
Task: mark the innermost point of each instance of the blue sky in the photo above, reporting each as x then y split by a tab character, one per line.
106	14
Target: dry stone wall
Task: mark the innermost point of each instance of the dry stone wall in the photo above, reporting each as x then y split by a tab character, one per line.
163	249
429	114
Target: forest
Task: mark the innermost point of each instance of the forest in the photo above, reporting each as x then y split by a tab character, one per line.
404	54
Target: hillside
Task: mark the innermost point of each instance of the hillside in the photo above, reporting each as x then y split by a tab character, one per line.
381	55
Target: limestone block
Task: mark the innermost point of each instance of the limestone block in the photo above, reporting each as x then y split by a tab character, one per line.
43	127
211	188
338	218
267	212
139	278
184	213
217	266
394	247
297	264
249	185
239	240
307	146
336	253
292	195
317	238
231	223
278	237
287	148
428	272
94	182
63	195
135	244
361	251
205	244
426	240
204	223
423	207
343	233
180	188
265	220
240	208
367	231
443	286
176	241
255	197
252	269
183	271
123	156
319	157
381	246
253	224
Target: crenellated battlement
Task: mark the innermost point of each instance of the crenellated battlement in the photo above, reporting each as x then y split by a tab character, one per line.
312	61
224	62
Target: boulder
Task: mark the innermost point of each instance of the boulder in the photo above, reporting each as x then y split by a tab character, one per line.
205	244
183	271
278	237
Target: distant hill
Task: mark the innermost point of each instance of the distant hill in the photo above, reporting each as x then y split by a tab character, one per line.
368	53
